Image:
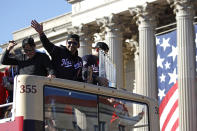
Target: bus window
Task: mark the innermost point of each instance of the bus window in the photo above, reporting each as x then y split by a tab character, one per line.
67	110
122	115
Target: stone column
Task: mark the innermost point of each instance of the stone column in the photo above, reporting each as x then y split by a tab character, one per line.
113	38
147	51
186	65
136	59
147	58
86	39
136	108
129	56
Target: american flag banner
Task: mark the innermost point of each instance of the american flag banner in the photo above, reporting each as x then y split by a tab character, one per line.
167	51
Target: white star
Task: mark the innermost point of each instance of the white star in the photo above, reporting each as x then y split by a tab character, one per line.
173	77
174	53
161	94
162	77
165	43
196	58
196	38
157	41
159	61
167	65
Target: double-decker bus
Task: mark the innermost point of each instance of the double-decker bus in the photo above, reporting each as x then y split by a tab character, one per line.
44	104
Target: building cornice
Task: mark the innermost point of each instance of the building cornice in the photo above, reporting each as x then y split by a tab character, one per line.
56	30
73	1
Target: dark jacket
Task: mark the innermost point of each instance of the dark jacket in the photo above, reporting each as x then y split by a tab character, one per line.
93	61
66	65
40	64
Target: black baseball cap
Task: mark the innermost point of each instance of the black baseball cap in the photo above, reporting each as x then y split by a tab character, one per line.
29	41
102	45
73	36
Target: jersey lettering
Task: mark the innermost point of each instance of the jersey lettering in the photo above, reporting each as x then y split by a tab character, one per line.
78	65
66	63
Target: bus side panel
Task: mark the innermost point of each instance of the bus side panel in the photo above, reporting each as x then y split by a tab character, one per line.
33	125
19	124
29	100
16	125
29	103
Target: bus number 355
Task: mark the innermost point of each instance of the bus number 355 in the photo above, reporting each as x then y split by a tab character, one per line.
28	89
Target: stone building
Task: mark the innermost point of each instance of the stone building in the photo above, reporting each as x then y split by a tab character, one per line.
129	28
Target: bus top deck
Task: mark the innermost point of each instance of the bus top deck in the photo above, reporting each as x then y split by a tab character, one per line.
44	104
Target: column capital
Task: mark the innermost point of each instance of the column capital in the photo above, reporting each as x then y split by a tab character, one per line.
109	23
183	8
172	1
100	36
85	32
136	54
145	14
130	47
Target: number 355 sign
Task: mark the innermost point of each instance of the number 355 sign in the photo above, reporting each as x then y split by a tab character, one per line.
28	89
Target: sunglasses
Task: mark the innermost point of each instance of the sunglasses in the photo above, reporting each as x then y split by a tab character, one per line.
72	42
28	50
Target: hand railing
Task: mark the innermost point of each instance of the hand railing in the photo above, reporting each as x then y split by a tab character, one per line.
107	68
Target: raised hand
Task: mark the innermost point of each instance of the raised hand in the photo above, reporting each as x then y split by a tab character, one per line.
51	76
38	27
11	45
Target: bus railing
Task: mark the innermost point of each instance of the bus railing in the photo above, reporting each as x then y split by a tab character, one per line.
9	118
7	104
139	126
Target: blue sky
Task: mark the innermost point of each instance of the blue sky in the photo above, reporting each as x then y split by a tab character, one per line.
17	14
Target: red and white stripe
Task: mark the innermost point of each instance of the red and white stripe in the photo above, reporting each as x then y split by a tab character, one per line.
168	110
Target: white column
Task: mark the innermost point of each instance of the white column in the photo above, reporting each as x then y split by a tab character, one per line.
113	38
85	48
136	108
147	52
147	58
137	79
129	49
186	65
86	38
